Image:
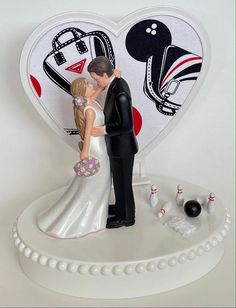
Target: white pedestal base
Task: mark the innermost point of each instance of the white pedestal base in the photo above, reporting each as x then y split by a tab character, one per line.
141	260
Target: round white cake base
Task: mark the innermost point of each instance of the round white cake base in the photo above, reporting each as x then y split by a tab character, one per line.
127	262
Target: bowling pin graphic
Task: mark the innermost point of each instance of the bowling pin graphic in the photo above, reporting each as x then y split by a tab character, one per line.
165	209
179	196
211	203
153	199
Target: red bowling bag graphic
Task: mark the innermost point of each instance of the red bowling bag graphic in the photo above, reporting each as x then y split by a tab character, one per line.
71	48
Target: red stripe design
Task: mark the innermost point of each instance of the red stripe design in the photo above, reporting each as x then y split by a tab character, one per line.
178	65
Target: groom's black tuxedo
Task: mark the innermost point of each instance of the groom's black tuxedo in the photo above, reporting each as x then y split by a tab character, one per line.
121	145
120	138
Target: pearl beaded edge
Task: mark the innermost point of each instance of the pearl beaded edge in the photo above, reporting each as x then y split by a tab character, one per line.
122	269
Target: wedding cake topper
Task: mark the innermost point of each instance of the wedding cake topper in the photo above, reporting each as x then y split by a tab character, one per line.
163	55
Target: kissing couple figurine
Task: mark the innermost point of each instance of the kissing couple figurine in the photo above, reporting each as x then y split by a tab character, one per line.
107	135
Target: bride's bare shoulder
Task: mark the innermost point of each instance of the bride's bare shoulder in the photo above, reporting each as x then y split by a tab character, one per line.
93	103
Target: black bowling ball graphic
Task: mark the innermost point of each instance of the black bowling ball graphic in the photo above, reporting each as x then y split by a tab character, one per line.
147	38
192	208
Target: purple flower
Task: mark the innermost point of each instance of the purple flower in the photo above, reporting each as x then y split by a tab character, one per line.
79	101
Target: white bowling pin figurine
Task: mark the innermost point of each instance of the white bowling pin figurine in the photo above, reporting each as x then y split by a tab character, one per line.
166	208
180	196
211	203
153	199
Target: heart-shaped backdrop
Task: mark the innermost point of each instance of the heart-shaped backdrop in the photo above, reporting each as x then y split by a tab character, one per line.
159	52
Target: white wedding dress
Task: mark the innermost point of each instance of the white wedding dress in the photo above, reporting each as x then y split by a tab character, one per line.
83	208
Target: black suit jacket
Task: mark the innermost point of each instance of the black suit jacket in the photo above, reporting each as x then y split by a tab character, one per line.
120	138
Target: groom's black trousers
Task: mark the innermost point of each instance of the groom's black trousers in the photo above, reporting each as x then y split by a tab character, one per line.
122	170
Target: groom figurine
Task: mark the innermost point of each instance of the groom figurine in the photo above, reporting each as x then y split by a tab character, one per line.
120	140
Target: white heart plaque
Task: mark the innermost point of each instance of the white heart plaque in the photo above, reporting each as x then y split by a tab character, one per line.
163	55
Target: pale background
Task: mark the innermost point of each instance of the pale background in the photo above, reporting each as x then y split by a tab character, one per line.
34	160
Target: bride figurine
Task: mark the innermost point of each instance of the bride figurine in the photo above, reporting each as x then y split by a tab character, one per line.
83	208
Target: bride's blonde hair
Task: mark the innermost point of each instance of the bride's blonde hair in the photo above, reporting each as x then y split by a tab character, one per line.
78	88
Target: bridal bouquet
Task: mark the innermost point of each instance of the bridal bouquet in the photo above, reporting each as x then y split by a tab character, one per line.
87	167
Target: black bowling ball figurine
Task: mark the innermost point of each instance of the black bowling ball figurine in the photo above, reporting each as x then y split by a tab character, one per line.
192	208
167	66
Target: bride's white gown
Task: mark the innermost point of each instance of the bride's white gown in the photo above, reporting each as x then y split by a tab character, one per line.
83	208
